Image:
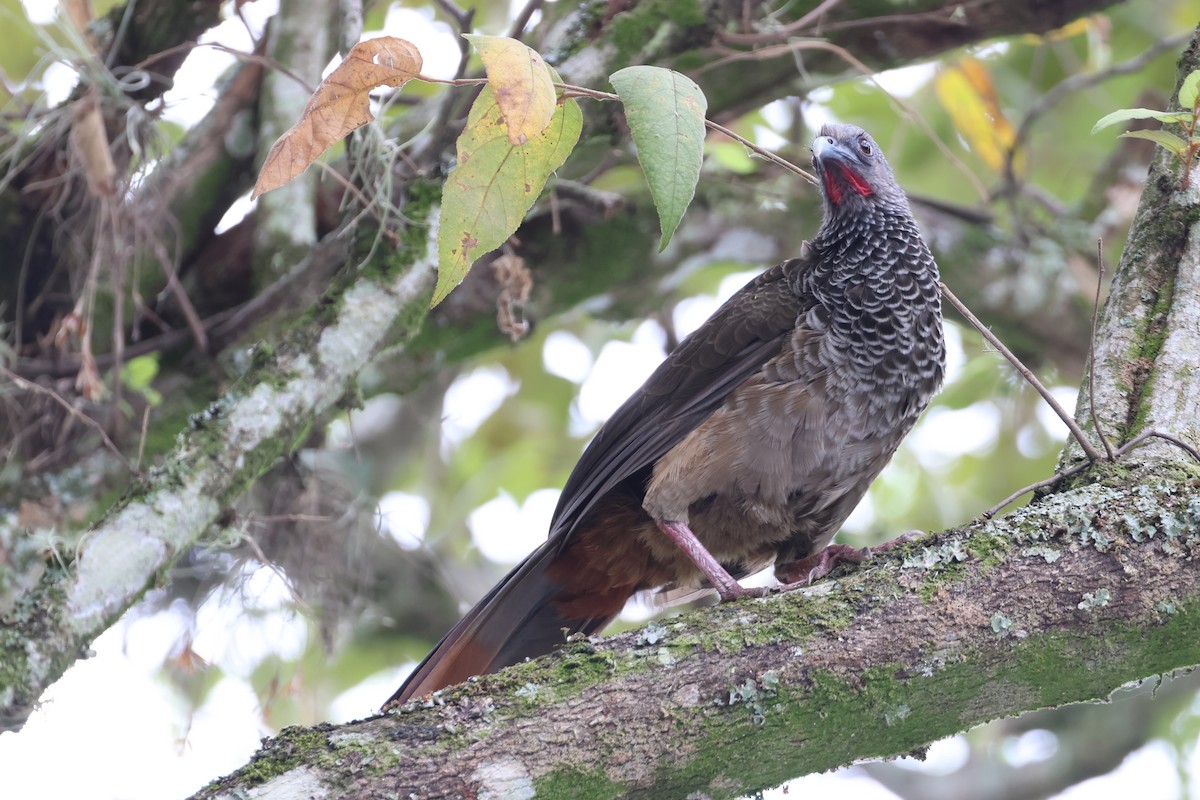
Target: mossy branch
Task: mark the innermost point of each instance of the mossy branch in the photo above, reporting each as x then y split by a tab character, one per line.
1061	602
224	449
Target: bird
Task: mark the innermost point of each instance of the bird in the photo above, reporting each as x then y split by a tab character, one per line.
749	445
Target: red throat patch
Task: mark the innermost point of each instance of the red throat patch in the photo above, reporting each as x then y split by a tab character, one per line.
845	177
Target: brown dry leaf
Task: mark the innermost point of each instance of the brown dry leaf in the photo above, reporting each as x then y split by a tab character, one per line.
89	140
522	83
340	105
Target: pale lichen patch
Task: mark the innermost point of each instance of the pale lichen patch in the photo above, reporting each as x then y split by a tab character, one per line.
302	783
503	779
116	560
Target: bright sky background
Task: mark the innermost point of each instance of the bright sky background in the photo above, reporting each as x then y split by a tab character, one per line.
112	727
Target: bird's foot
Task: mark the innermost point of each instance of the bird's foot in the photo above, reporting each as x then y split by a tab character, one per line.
725	584
805	571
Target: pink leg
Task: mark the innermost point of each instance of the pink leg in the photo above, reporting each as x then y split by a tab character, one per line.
725	584
818	565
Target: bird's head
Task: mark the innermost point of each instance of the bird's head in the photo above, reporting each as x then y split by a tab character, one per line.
854	174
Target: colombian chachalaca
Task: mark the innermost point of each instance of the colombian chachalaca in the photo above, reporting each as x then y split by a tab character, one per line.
749	445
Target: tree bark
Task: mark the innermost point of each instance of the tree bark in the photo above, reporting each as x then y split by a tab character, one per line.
1061	602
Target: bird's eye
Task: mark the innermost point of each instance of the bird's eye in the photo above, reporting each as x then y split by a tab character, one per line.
865	147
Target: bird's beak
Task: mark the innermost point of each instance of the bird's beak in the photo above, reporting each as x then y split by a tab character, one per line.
827	147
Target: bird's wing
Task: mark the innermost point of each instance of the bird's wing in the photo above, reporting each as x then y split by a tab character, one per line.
695	379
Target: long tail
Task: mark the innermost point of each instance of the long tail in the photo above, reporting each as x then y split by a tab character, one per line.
523	616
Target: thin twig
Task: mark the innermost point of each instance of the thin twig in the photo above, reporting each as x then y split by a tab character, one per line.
767	154
1092	353
845	55
253	58
1033	487
569	90
1166	437
1078	82
522	19
72	410
190	316
1026	373
462	18
779	34
1120	451
250	542
142	439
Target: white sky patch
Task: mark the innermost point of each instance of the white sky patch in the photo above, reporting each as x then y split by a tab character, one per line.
862	517
471	399
816	110
58	81
944	434
566	356
767	138
193	94
845	784
639	608
375	418
40	12
506	532
1030	441
943	757
778	114
436	41
239	641
1029	748
237	211
364	698
956	357
906	81
691	313
404	517
1066	397
113	710
1148	772
619	370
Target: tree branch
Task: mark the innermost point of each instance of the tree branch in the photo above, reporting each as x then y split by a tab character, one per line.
225	449
1057	603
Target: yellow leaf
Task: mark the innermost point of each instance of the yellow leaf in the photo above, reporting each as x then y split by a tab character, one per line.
495	183
1069	31
1097	28
522	84
968	95
340	105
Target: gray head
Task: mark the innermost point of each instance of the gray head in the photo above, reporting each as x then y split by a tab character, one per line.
855	177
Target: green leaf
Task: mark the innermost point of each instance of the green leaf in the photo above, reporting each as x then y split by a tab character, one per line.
1124	114
666	117
494	183
1189	91
1161	138
138	373
522	84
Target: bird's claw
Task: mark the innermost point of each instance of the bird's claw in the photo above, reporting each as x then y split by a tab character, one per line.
805	571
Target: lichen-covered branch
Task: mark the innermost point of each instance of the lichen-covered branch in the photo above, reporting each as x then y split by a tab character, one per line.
224	449
1057	603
